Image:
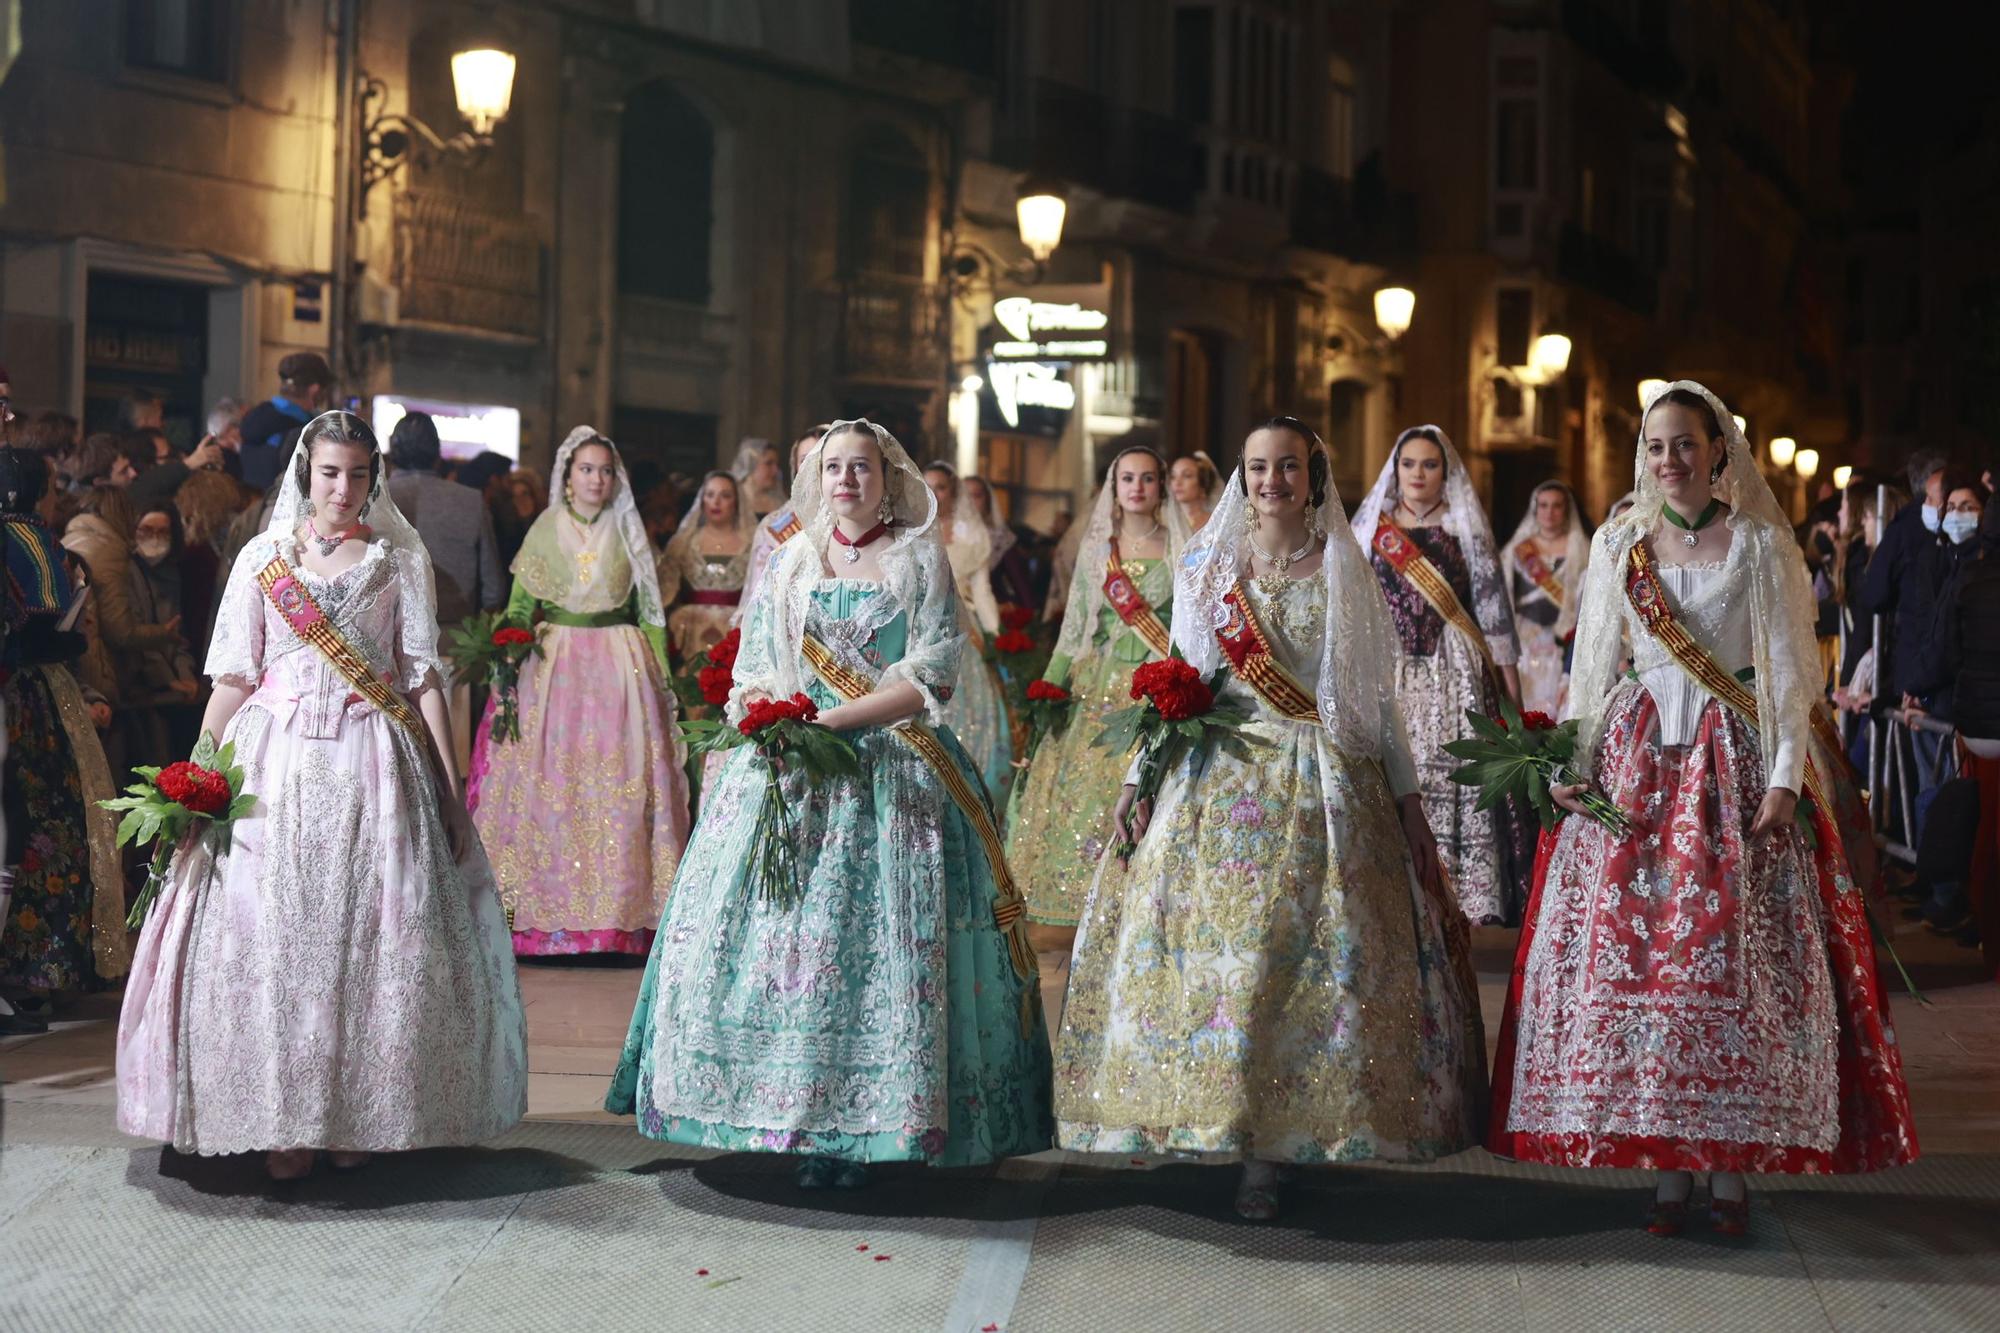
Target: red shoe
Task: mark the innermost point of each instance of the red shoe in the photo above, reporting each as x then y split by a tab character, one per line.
1667	1218
1730	1217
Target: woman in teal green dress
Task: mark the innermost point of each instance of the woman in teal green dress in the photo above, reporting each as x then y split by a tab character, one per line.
892	1014
1117	620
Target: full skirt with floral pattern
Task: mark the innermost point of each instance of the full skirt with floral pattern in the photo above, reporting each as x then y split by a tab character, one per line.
333	979
878	1019
1268	978
1689	997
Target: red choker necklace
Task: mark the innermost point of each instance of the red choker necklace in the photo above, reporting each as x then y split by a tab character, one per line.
853	551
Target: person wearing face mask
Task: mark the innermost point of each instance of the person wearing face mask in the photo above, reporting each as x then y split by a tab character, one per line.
1928	682
159	688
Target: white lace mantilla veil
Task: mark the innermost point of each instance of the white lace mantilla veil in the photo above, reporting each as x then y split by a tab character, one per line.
1764	566
1357	666
386	524
915	574
1464	518
1576	552
623	511
1086	595
1000	538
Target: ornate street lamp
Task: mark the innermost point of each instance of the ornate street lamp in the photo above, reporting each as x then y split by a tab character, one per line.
1784	449
1841	476
1807	463
1039	209
1548	358
482	81
1649	390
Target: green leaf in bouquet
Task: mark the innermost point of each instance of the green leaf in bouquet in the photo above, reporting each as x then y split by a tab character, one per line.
1545	806
129	826
1121	729
148	771
1485	727
204	750
1472	748
242	805
149	825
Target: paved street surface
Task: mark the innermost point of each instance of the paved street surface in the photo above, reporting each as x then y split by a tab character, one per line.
574	1221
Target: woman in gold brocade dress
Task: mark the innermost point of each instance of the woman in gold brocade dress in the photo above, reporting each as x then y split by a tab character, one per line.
1280	974
1061	820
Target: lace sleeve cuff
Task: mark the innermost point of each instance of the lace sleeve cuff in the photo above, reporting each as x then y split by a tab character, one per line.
935	697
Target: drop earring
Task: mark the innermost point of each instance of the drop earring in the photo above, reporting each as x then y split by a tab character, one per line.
311	509
1312	517
886	511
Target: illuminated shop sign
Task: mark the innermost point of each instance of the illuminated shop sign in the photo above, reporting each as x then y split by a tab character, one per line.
1049	331
465	430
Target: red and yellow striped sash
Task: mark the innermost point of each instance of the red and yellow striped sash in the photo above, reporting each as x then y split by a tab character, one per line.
1131	605
310	623
1649	600
1010	908
1249	654
1538	569
1406	558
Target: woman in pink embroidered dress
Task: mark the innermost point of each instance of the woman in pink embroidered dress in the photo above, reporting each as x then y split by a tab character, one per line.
337	976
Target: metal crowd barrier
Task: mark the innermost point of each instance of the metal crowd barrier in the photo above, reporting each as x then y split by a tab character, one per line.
1899	769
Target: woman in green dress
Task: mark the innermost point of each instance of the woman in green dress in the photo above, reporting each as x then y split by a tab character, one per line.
891	1014
1116	620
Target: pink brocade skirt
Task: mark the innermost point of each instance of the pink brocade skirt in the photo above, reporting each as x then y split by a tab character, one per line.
586	814
1686	997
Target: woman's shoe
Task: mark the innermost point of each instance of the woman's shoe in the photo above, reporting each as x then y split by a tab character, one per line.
849	1175
1667	1217
290	1163
816	1173
1257	1192
1730	1217
345	1162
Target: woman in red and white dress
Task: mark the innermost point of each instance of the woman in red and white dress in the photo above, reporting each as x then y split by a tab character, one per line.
1700	993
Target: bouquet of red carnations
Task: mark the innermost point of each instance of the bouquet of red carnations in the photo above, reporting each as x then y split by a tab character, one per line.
718	677
1520	756
1178	711
1046	706
786	734
487	645
168	802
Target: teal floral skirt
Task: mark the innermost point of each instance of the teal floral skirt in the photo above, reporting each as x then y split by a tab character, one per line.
879	1019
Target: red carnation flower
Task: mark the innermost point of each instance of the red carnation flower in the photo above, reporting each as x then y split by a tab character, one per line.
1016	617
1046	689
512	636
1154	675
715	683
724	653
1181	700
201	790
765	712
1013	641
1538	721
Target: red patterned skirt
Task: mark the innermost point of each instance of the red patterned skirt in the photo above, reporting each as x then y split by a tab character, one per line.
1686	997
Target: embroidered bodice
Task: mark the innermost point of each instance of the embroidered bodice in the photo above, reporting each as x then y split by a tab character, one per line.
371	603
1479	591
846	616
1701	601
685	566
